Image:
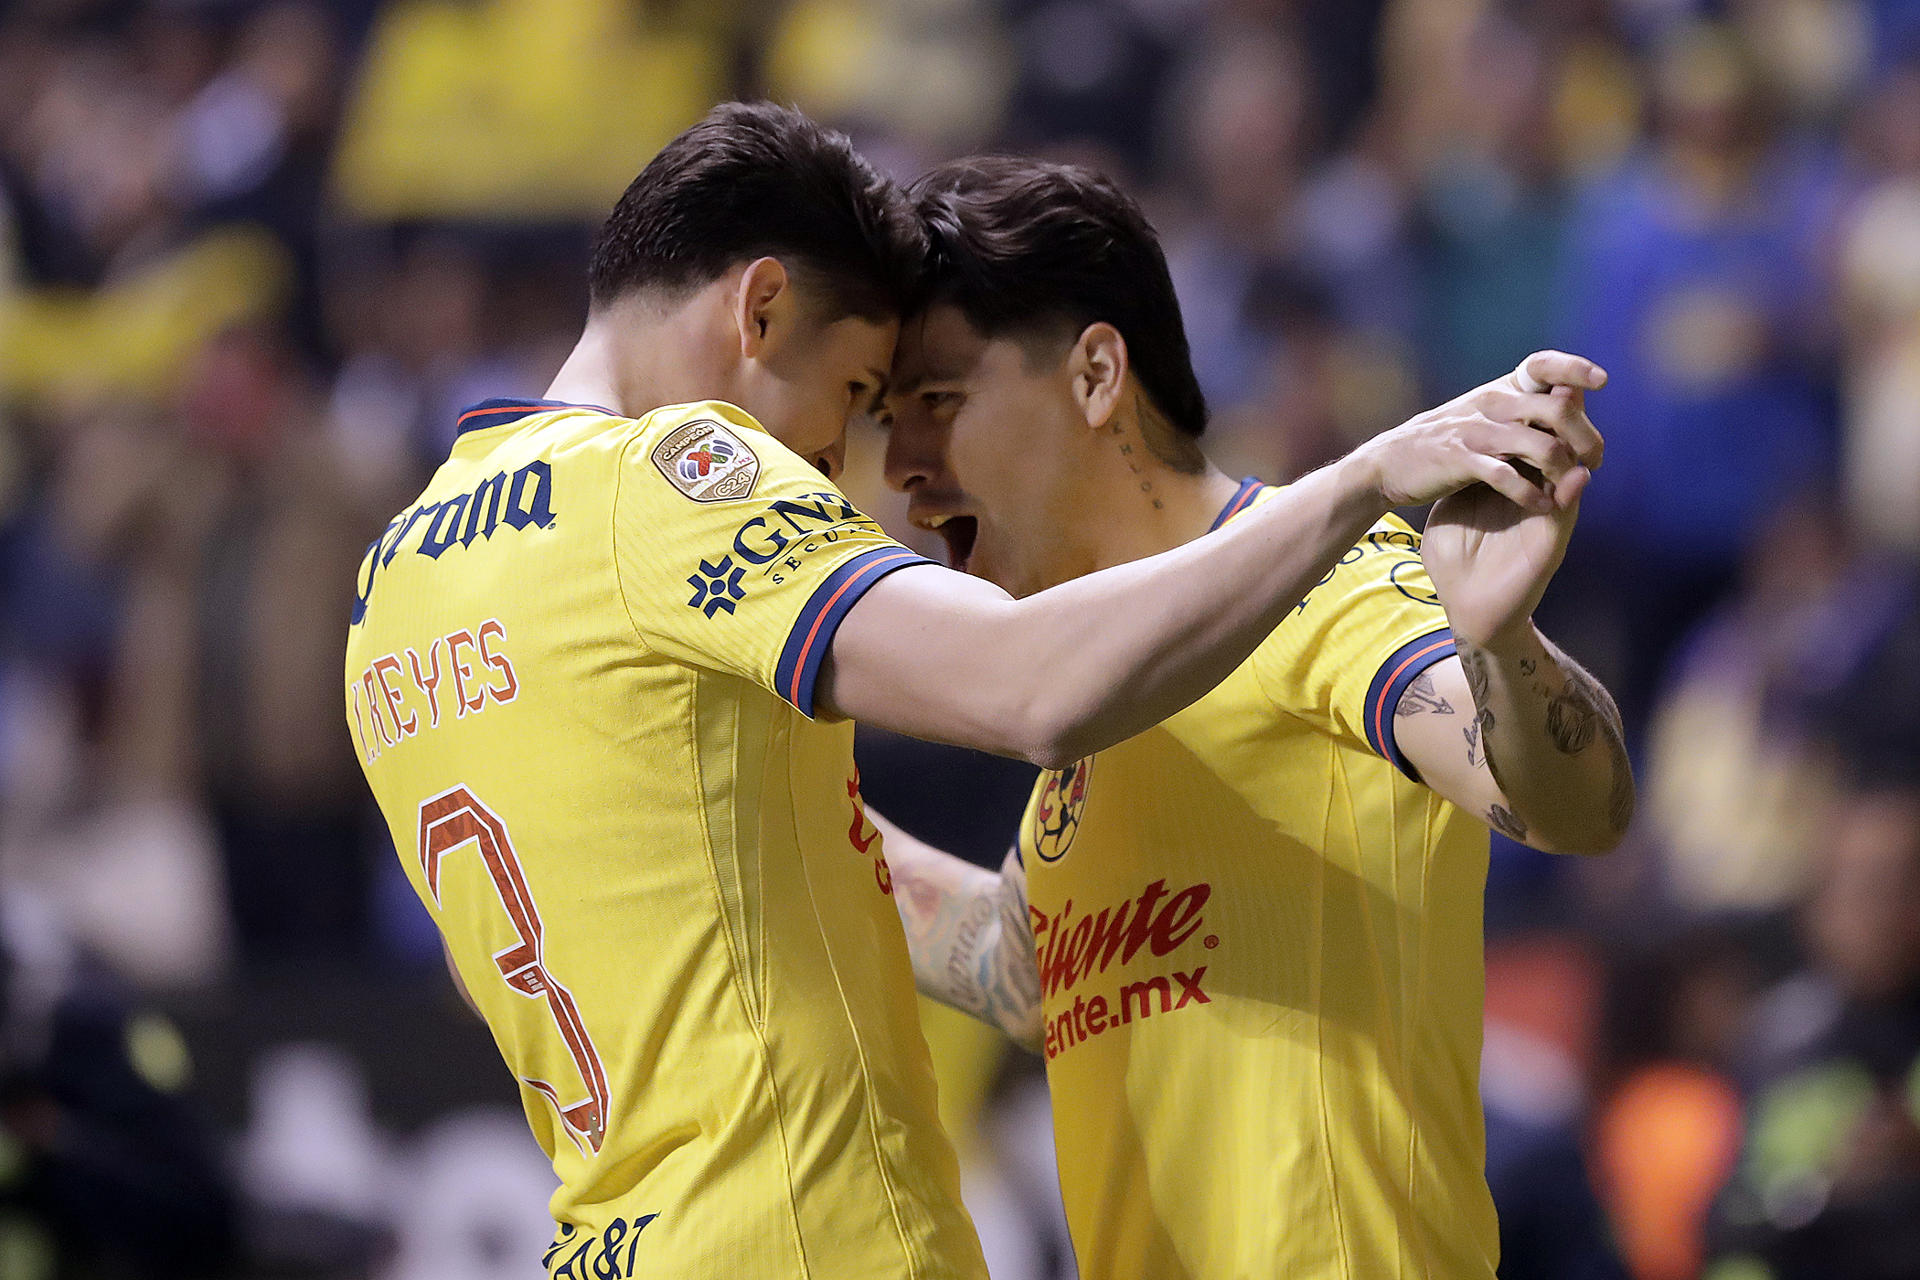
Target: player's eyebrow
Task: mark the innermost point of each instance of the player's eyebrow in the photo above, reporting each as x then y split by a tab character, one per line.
928	372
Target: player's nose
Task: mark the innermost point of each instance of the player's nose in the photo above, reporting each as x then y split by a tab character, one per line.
912	453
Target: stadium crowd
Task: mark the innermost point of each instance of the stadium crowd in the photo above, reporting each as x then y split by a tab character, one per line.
255	257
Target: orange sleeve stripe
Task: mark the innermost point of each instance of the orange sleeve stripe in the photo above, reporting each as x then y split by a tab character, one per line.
1396	673
800	662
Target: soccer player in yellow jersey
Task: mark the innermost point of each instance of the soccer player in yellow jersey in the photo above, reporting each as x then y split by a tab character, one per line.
600	672
1247	940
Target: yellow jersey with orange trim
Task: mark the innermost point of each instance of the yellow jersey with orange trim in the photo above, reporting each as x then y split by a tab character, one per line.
1259	945
580	677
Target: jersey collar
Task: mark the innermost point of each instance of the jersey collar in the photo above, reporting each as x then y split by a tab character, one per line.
500	411
1238	503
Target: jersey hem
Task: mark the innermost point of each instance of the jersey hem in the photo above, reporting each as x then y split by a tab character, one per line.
1402	667
812	633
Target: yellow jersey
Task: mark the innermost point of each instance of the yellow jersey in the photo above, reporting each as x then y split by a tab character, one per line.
1260	955
580	676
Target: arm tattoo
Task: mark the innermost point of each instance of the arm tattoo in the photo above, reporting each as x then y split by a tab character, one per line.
1574	715
1420	696
1507	823
963	951
1598	717
1572	718
972	948
1474	664
1014	986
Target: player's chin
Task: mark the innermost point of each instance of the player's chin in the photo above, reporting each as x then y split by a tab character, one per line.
984	563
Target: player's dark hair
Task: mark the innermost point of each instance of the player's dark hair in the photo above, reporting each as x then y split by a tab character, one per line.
1029	248
757	180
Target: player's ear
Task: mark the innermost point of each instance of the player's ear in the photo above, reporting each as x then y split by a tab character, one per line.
762	301
1098	366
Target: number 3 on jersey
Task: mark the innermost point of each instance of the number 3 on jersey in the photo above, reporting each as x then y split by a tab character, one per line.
454	819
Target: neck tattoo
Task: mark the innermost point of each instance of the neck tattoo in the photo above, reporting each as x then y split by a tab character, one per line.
1132	458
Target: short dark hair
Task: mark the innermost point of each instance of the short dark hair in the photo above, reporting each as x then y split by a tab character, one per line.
757	180
1026	246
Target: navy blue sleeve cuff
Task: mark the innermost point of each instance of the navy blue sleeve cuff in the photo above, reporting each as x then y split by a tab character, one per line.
813	630
1401	669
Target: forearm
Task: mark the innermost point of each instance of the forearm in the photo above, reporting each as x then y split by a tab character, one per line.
1113	654
1553	740
968	934
1082	666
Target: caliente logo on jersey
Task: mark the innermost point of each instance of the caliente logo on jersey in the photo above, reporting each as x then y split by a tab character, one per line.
707	462
1075	947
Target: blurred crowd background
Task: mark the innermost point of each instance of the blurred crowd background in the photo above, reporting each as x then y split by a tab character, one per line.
254	257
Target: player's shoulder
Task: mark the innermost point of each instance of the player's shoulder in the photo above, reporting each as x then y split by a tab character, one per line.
1378	585
708	450
1388	531
1386	555
556	417
669	419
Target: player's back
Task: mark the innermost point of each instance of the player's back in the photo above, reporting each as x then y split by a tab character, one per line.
652	872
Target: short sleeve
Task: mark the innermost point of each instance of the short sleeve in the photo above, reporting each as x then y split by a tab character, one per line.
735	555
1348	651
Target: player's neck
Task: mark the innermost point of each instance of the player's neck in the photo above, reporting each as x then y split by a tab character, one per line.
635	357
1146	505
1174	508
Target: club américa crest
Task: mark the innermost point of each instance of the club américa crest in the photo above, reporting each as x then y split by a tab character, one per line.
1056	815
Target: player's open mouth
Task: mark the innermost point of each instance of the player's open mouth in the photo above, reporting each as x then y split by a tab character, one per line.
959	533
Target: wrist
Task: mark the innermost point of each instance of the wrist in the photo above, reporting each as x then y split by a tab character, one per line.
1359	481
1514	641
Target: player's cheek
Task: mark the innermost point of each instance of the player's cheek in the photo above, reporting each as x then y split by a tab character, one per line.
968	446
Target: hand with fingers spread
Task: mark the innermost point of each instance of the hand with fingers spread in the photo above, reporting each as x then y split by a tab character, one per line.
1524	436
1491	554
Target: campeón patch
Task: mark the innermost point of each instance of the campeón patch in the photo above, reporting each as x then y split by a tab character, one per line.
707	462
